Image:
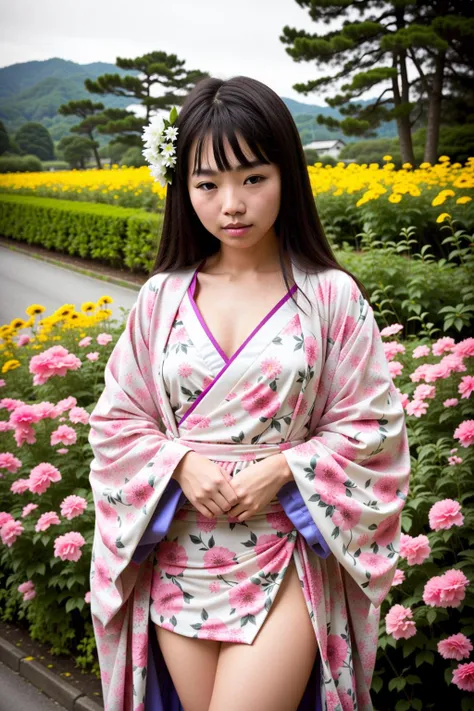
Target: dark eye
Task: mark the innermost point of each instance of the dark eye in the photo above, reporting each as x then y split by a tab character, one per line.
259	178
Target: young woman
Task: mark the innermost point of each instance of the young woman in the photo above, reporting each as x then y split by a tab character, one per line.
250	452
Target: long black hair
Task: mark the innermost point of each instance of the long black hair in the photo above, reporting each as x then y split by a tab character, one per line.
246	106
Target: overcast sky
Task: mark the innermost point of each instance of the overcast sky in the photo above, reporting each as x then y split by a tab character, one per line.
223	37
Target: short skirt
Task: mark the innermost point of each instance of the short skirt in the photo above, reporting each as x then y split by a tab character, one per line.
217	578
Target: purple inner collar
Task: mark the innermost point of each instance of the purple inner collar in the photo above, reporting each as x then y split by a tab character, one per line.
225	358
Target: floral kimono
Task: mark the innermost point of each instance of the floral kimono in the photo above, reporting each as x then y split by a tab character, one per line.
311	383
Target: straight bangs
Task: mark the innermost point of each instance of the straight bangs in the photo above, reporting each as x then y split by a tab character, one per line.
223	125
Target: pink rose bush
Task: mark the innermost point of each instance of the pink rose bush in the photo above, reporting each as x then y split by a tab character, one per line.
47	517
432	589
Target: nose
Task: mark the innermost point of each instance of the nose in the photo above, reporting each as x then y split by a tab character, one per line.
232	201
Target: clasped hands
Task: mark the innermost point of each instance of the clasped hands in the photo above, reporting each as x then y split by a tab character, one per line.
213	492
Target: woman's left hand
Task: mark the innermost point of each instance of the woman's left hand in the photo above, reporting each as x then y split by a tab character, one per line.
257	485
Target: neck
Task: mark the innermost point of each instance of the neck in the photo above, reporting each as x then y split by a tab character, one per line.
261	258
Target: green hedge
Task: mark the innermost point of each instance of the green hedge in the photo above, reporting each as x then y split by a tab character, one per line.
122	237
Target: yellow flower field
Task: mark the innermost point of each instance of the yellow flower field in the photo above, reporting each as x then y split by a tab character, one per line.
131	186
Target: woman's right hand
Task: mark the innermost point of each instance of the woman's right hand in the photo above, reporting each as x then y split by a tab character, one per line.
206	485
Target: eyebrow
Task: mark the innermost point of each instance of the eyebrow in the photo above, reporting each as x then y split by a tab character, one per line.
252	164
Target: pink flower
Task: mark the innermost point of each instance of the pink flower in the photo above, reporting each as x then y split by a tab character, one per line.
42	476
421	351
78	414
336	652
391	349
103	339
23	340
85	342
10	404
311	350
455	647
416	408
447	590
54	361
465	348
391	330
2	383
93	355
184	370
24	434
395	368
73	506
347	514
5	426
28	590
138	493
172	557
10	532
45	410
271	367
23	416
5	518
28	509
64	435
424	391
454	460
466	386
261	401
168	599
450	402
463	676
87	597
385	489
444	514
398	578
465	433
66	404
247	597
443	345
219	560
50	518
63	450
68	547
9	462
399	622
415	550
20	486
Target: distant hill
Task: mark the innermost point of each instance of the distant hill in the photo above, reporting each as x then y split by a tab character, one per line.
33	91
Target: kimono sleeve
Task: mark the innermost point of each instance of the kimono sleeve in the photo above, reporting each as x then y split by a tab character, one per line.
353	471
133	461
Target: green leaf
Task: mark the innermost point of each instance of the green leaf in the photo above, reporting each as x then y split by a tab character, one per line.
402	705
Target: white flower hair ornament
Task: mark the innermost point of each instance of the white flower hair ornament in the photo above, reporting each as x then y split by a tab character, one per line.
160	152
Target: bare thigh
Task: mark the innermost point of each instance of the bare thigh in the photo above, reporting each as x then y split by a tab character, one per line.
192	665
271	673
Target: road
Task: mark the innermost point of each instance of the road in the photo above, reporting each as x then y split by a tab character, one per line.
19	695
25	280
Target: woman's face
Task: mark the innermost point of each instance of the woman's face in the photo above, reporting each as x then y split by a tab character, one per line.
247	195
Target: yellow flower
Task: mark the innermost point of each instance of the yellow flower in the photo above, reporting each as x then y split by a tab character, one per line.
105	300
395	197
448	193
407	166
463	200
443	217
17	323
88	306
443	159
387	158
438	200
10	365
35	309
425	165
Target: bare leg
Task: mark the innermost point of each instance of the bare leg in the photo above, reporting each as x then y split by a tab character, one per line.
192	666
271	674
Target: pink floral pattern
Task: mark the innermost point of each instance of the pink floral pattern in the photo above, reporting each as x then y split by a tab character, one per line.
316	387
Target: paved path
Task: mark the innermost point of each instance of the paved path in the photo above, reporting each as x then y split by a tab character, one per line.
19	695
25	280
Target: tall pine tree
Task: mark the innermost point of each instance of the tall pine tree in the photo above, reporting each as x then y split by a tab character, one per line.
156	69
381	48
